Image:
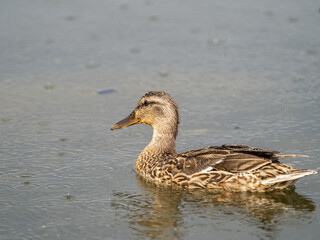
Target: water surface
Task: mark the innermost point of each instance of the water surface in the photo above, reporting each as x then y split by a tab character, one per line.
242	73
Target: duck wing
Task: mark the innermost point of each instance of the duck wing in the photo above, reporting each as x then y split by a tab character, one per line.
228	158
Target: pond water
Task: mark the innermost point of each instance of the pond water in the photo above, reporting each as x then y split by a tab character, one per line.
241	72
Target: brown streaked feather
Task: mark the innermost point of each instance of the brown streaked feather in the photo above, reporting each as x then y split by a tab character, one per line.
230	158
230	167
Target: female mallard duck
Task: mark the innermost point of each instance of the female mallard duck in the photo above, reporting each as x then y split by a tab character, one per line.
227	167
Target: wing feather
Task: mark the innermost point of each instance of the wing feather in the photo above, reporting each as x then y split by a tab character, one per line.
229	158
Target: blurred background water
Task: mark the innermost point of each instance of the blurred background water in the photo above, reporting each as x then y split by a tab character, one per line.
242	72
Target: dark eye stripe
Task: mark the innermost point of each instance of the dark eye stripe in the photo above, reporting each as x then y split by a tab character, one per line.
144	104
150	103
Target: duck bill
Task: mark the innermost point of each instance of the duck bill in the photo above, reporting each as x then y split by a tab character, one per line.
128	121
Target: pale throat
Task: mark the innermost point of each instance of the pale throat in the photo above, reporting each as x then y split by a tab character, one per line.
163	139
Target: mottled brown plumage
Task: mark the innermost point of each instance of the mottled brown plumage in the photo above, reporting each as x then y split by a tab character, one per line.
227	167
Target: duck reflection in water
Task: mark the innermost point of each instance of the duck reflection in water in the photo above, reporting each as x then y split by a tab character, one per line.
164	212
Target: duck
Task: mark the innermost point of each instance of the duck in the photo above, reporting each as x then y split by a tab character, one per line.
234	168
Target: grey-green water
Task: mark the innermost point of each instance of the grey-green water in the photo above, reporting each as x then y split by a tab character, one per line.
241	71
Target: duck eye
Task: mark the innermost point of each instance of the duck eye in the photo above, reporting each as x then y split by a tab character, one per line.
146	103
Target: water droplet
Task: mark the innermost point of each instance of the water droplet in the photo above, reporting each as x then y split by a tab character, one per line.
68	196
92	65
153	18
293	19
70	18
163	74
124	6
57	61
216	41
5	119
135	50
48	86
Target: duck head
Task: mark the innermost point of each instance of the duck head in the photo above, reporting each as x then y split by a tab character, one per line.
157	109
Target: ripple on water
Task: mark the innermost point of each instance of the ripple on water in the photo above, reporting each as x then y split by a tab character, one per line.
84	171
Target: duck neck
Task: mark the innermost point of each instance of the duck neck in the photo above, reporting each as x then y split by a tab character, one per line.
161	145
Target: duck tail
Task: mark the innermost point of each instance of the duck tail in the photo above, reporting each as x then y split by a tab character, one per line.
293	176
280	156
